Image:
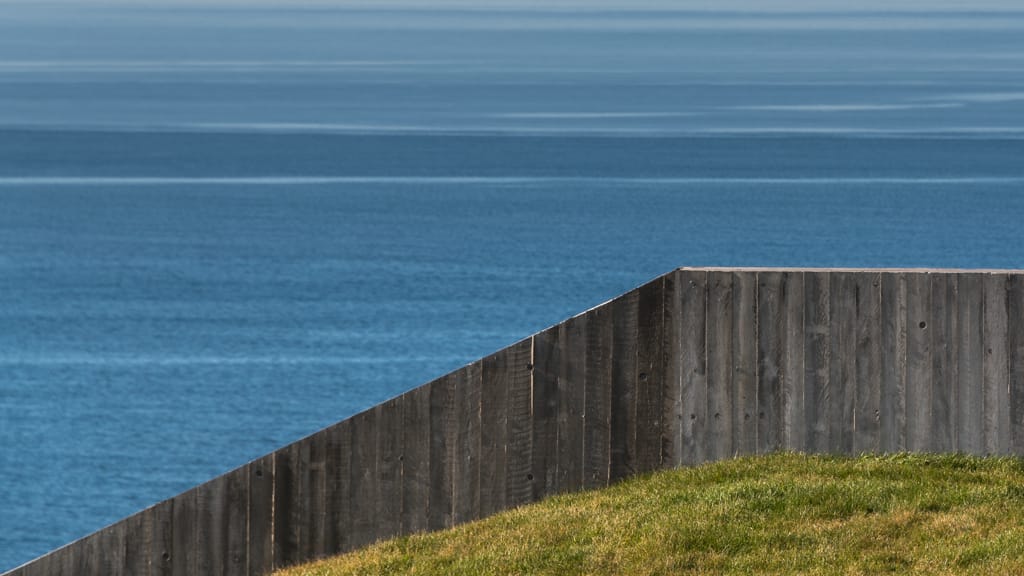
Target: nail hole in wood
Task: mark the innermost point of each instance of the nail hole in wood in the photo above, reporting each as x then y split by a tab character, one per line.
922	324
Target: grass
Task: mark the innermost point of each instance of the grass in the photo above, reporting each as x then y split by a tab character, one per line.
778	514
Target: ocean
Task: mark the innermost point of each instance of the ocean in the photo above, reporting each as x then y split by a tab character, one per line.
226	225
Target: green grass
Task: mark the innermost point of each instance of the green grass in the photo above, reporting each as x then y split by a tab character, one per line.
779	514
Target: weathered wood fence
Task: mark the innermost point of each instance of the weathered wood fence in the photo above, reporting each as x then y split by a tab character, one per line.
695	366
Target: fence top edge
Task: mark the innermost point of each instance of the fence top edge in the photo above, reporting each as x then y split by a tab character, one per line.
870	270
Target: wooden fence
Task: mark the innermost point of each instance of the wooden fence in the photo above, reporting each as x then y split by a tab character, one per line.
695	366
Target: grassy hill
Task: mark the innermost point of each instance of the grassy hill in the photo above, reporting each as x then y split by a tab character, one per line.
778	514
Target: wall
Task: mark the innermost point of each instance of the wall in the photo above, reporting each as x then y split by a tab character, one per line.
695	366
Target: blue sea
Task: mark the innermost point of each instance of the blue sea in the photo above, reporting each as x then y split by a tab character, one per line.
225	225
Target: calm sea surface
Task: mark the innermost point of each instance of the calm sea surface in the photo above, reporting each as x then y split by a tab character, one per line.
224	227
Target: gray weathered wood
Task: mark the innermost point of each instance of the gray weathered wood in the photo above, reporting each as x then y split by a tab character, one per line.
624	356
1015	348
363	479
792	368
893	416
744	353
161	537
546	354
995	366
843	346
572	344
771	331
466	481
442	452
338	491
672	379
598	398
315	542
222	524
650	375
291	504
944	361
817	360
693	287
919	362
260	543
719	433
415	459
389	468
868	360
137	539
970	374
183	522
494	398
519	476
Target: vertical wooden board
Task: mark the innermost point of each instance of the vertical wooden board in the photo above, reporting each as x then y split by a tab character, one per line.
466	481
770	345
183	522
389	468
291	506
970	376
519	470
893	409
222	523
137	539
672	380
442	452
792	368
625	311
995	366
919	362
868	351
107	550
944	361
817	359
1015	328
720	367
161	532
744	354
89	556
314	542
494	399
415	459
572	342
693	288
547	364
260	517
650	375
598	398
842	382
363	481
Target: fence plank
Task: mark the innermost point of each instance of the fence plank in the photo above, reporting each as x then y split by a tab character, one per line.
842	381
546	367
291	508
183	522
519	476
672	379
868	360
315	537
161	538
693	359
416	460
466	482
572	343
260	517
720	366
442	452
970	374
598	398
744	354
222	518
494	397
792	369
996	365
625	311
650	375
1015	326
770	345
363	479
389	468
817	359
944	362
338	492
893	416
919	362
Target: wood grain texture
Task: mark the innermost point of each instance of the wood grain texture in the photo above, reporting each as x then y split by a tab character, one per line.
519	476
291	504
442	452
316	542
416	459
363	479
625	312
944	361
868	361
466	480
970	373
744	355
1015	348
672	369
222	524
893	409
792	369
494	399
817	360
572	344
161	537
843	378
183	522
598	398
260	531
390	461
137	539
650	375
547	365
771	331
919	362
719	436
338	491
996	364
693	289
